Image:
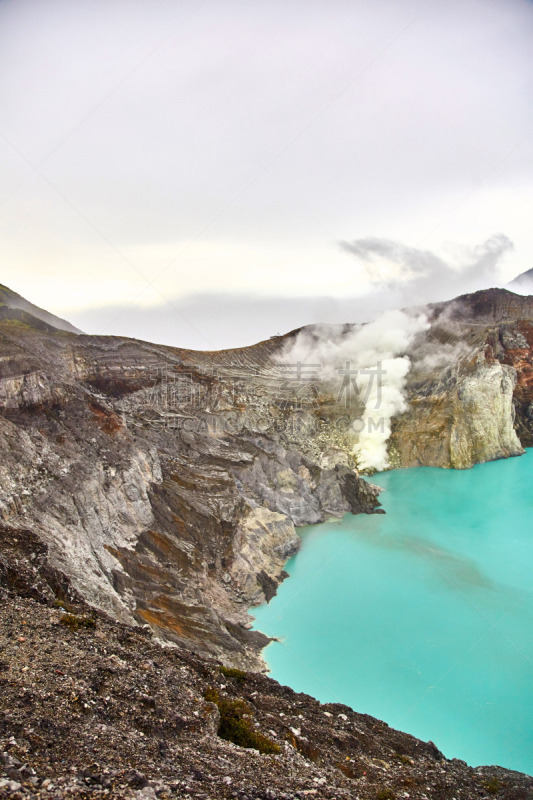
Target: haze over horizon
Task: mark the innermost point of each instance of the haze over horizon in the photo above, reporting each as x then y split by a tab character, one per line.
206	175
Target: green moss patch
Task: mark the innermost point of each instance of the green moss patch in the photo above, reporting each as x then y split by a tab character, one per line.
385	794
74	622
236	724
230	672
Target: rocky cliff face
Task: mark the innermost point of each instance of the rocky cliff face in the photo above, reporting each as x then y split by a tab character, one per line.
470	389
158	479
167	483
468	418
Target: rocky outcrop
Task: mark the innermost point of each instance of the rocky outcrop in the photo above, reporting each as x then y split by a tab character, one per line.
483	429
517	351
468	418
470	385
263	543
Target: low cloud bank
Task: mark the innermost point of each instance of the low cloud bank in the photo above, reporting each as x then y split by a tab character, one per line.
406	276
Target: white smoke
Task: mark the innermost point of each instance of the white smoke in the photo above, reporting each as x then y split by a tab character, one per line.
376	353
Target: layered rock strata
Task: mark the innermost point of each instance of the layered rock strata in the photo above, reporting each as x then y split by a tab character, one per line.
159	480
168	484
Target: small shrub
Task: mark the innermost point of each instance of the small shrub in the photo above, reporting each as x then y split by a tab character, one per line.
403	758
234	725
75	623
385	794
231	672
348	768
308	750
492	785
65	606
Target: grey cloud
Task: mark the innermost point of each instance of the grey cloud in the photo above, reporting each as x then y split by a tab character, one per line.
422	276
419	261
233	144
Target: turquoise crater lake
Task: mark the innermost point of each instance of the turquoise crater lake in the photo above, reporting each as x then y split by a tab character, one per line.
422	617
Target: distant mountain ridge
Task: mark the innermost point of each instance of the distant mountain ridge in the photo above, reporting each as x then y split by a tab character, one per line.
523	283
14	306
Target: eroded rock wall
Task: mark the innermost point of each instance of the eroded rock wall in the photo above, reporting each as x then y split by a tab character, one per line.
470	389
174	511
467	419
169	484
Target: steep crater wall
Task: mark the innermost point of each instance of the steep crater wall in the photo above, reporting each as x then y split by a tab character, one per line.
168	484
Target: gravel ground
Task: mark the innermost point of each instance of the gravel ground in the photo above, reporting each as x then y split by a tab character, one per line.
93	708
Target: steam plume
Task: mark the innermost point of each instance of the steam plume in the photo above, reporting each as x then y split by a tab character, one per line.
376	352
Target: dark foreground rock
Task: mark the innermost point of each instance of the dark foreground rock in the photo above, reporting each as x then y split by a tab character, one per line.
90	707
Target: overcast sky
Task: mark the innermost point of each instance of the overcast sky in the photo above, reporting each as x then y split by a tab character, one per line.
206	174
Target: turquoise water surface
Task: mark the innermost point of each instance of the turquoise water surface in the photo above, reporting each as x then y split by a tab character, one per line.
422	617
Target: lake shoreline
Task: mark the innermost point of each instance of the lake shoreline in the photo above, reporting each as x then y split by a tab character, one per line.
456	569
